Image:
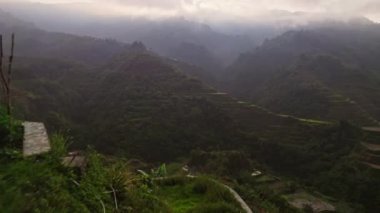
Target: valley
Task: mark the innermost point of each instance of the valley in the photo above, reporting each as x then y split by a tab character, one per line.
291	125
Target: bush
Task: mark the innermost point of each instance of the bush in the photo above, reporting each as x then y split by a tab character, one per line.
13	136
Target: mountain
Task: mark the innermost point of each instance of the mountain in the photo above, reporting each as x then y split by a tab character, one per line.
6	20
165	36
194	43
136	104
329	72
156	107
34	42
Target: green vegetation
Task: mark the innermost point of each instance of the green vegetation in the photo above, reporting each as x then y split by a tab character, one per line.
220	163
10	136
188	195
43	184
262	197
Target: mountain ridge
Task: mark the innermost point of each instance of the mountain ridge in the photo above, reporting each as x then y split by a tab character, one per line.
334	67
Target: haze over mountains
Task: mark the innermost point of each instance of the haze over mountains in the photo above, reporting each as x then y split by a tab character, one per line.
214	40
225	98
164	35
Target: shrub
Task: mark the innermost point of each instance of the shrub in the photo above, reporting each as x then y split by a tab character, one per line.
172	181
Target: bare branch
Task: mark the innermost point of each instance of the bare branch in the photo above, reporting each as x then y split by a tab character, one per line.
114	197
4	83
9	103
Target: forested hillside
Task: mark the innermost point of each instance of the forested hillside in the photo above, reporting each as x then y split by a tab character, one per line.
327	72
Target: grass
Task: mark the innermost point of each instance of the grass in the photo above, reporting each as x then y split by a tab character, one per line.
181	198
185	195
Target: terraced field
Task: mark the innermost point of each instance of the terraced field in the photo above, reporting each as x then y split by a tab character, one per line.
269	126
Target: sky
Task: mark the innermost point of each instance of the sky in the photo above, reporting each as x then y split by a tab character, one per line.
219	9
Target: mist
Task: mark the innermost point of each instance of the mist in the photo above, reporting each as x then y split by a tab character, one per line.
217	30
65	13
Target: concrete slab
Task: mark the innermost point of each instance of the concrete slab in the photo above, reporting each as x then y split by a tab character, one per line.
36	139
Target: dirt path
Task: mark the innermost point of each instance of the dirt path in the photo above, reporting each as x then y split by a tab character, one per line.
36	140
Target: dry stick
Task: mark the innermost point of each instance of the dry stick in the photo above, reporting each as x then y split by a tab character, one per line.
4	83
103	206
1	58
114	197
9	103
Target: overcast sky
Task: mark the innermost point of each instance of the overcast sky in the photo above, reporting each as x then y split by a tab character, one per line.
245	9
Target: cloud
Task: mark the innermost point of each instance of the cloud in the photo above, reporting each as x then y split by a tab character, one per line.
55	1
225	8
